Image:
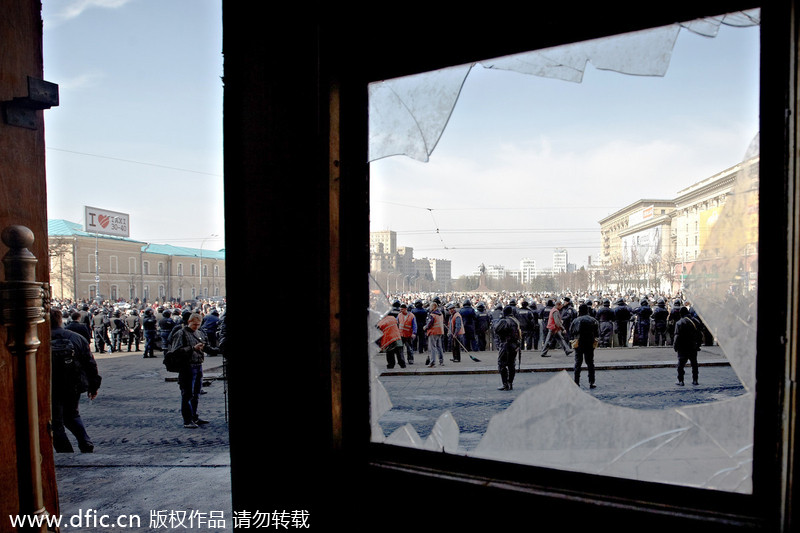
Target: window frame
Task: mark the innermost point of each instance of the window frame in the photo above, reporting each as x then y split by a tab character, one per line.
773	467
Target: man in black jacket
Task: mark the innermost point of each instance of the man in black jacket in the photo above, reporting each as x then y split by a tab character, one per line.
74	372
585	329
76	324
687	341
622	316
509	335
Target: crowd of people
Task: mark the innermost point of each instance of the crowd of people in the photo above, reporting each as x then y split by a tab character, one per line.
190	329
513	322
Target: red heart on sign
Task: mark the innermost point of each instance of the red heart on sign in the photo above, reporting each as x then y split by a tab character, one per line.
103	219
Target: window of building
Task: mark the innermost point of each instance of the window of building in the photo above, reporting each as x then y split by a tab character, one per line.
192	269
555	415
146	268
131	265
160	268
113	264
180	269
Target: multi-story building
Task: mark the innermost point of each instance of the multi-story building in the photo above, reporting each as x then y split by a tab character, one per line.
670	235
560	260
527	269
85	266
442	269
620	231
386	239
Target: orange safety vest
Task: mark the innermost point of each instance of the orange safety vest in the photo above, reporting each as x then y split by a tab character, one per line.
438	324
406	323
461	331
391	333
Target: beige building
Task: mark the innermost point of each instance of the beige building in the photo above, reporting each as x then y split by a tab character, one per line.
85	266
666	237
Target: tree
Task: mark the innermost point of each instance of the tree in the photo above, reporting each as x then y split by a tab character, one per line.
62	266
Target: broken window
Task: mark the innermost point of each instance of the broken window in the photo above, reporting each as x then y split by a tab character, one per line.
553	423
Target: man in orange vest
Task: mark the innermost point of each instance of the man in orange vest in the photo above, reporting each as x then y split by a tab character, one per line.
435	331
408	331
455	328
391	343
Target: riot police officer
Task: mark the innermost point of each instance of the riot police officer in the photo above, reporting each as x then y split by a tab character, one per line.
483	324
660	316
509	336
643	314
99	329
605	315
468	317
420	313
622	316
134	324
527	318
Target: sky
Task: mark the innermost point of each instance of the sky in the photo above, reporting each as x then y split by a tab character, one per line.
138	129
529	164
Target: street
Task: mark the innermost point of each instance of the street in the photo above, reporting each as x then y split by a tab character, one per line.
473	398
145	461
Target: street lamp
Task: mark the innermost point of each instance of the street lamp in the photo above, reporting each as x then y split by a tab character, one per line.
201	261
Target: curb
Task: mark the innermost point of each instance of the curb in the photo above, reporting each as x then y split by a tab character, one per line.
613	365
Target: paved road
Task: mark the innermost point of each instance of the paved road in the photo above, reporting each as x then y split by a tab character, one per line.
472	397
145	461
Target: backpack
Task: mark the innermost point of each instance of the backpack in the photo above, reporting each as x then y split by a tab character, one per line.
175	361
65	363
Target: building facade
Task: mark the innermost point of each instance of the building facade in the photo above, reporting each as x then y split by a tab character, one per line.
85	266
654	243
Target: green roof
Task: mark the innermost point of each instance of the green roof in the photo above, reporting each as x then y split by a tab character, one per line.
65	228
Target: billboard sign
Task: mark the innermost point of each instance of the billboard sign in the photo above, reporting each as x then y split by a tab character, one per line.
106	222
642	247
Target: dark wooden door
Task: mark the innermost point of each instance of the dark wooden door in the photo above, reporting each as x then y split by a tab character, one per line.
23	202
